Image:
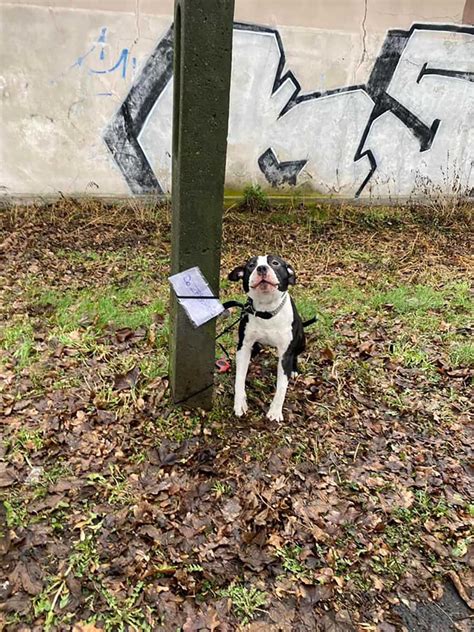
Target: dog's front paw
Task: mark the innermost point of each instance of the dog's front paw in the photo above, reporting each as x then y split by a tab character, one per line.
240	407
275	413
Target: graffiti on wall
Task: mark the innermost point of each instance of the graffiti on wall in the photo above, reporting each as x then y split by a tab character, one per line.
97	61
413	116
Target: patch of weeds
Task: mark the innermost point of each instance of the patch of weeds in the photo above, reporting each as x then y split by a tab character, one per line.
121	615
84	559
52	474
17	514
422	322
18	339
138	457
78	256
105	396
260	445
423	508
86	341
462	546
289	556
282	219
300	451
25	442
65	382
388	566
154	366
58	519
255	198
342	565
222	489
178	425
462	354
377	217
115	486
363	256
413	357
399	538
458	295
247	602
406	532
53	598
362	583
351	486
207	587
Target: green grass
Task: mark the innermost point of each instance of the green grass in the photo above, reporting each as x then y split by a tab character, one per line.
413	357
130	306
289	556
25	442
410	299
155	365
462	354
424	507
123	615
115	486
247	601
178	425
255	198
18	339
222	489
17	514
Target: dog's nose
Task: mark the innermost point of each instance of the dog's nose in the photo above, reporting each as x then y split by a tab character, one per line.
262	270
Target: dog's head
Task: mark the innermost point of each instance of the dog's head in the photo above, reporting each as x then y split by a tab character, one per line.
264	275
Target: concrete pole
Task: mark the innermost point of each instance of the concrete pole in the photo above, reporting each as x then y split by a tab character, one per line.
202	65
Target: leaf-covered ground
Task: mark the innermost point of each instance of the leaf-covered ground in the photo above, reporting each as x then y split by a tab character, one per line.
121	512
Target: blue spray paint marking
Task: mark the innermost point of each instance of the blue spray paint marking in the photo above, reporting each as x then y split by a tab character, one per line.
122	61
80	60
102	40
122	64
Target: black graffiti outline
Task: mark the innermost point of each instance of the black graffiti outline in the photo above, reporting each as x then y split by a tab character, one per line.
277	172
376	87
382	73
122	134
455	74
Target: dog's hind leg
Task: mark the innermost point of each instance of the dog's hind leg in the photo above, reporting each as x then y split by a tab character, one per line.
242	360
256	349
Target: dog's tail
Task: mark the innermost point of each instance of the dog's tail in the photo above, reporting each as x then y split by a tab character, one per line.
309	322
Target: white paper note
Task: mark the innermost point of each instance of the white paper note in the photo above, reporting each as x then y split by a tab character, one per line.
192	283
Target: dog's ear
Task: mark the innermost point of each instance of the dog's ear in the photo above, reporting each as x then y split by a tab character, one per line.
237	274
291	275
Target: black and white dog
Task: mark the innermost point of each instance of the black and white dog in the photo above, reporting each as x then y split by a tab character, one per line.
270	319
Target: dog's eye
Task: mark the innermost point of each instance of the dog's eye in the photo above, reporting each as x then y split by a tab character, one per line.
275	263
251	266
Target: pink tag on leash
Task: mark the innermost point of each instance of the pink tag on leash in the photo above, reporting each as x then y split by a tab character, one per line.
222	365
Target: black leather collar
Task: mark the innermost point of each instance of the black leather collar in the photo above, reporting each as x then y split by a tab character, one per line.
250	309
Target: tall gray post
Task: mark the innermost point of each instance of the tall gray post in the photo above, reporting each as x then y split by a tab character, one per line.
202	65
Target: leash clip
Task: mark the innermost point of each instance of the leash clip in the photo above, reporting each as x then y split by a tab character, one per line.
223	365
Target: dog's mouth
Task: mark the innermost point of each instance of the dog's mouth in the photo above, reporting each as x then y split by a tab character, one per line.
264	284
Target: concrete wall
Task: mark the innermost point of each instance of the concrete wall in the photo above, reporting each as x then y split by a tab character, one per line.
342	97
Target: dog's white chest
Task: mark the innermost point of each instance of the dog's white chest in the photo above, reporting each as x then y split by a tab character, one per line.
275	331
